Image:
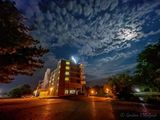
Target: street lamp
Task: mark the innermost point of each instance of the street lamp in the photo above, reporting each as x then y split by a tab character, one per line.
107	90
92	91
51	89
137	90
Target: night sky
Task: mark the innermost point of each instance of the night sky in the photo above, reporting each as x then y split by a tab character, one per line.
105	35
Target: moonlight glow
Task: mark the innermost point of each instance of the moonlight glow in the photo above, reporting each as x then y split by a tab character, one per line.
127	34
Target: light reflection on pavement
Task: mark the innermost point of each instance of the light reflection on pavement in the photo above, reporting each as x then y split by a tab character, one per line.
75	108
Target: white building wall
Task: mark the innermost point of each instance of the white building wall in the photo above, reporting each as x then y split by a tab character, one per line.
46	78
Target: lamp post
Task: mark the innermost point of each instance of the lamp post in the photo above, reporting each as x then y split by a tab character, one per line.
107	90
51	90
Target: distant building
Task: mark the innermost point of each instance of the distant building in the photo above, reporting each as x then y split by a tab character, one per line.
67	79
46	78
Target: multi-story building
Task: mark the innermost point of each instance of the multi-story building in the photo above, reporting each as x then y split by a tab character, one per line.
42	86
67	79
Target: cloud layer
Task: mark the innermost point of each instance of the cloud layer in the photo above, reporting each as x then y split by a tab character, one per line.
104	32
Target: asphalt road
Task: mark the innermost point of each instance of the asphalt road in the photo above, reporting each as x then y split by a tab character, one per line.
76	108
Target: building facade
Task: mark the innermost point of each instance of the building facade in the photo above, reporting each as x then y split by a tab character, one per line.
67	79
46	78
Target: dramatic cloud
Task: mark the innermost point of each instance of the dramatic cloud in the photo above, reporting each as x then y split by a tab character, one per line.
102	31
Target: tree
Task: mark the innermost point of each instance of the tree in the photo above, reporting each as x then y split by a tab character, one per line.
26	89
99	90
15	93
121	85
19	52
148	68
20	91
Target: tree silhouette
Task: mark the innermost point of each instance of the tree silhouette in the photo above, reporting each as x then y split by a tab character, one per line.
20	91
19	52
121	85
148	68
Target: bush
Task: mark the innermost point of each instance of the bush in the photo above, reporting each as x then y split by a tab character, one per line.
153	100
20	91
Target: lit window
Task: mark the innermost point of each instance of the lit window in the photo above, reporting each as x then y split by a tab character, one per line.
66	92
66	73
67	67
67	63
66	78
